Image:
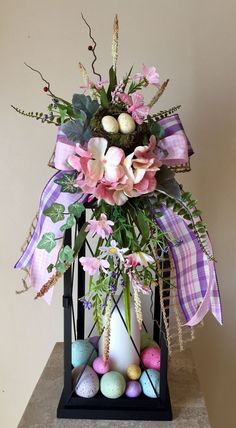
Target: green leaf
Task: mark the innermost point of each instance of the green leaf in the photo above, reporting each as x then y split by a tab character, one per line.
186	196
50	268
63	112
166	182
104	99
76	209
67	183
66	254
84	103
112	82
47	242
60	267
196	213
80	238
55	212
77	130
69	223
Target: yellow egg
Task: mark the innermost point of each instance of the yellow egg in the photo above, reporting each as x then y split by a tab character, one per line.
126	123
133	372
110	124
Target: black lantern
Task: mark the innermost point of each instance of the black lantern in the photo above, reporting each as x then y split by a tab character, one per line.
99	407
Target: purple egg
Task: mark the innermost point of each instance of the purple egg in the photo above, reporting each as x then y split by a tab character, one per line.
94	341
133	389
100	366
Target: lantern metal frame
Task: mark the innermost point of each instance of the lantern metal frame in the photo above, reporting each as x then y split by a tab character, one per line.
73	407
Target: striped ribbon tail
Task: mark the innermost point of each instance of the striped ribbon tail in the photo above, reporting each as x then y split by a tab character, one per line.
196	278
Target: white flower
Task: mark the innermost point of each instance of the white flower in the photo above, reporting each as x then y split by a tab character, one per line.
113	251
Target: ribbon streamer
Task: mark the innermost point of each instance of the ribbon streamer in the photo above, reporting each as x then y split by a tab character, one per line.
195	274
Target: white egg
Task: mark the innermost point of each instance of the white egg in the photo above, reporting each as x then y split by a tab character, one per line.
110	124
126	123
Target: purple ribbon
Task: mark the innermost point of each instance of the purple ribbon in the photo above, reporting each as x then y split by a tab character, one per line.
195	274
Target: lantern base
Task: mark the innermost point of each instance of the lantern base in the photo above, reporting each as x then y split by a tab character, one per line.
124	408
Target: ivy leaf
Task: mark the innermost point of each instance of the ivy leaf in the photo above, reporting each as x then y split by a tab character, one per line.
63	111
50	268
66	254
47	242
76	209
69	223
67	183
84	103
55	212
60	267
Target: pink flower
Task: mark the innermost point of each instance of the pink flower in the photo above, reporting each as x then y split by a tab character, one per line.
101	227
93	264
150	75
95	164
138	258
147	157
125	98
136	283
91	85
137	108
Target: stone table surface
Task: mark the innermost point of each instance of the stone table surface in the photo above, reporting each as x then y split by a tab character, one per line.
189	410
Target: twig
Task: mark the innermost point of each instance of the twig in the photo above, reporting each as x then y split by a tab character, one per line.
93	49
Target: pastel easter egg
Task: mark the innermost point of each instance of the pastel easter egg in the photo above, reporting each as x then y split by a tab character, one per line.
82	352
87	386
94	341
110	124
112	385
126	123
100	366
147	386
151	358
146	340
133	389
133	372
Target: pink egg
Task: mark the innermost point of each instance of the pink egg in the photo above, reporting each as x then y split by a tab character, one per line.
151	358
100	366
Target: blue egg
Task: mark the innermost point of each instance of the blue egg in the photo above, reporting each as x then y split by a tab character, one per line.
147	387
82	352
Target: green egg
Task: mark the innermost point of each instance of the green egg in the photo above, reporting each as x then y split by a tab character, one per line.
112	385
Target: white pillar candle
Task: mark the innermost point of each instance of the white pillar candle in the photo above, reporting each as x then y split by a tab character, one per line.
122	351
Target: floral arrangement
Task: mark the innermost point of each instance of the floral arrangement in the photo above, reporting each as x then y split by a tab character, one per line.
120	159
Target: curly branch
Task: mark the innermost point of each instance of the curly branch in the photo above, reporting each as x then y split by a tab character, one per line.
93	49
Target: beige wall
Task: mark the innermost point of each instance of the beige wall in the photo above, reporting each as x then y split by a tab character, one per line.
193	43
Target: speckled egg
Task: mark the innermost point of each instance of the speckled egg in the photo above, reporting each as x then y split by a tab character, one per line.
82	352
94	341
133	389
101	366
88	384
133	372
110	124
151	358
146	341
147	385
126	123
112	384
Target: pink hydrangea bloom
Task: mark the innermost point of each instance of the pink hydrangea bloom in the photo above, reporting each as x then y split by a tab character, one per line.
100	227
149	74
138	258
93	264
95	164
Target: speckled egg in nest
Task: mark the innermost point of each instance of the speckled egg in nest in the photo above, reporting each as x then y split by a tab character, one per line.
127	142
